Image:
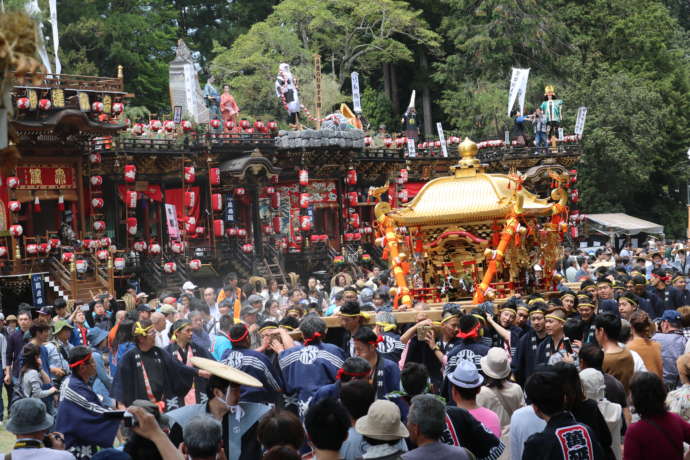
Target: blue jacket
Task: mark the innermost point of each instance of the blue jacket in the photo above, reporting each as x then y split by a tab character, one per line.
386	377
672	346
257	365
306	369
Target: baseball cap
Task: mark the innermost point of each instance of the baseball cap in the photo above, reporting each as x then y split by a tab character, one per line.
188	286
671	315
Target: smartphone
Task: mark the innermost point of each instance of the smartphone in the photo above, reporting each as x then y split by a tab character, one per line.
568	346
129	420
84	307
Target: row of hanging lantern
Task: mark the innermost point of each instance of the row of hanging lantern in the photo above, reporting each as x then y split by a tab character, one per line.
244	126
45	104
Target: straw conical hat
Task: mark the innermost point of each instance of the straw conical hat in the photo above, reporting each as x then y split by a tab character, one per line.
226	372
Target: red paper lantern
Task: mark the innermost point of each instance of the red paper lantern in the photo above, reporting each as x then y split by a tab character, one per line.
16	230
105	242
154	248
403	195
55	243
189	199
97	107
232	231
353	198
354	220
23	103
95	158
190	225
132	225
170	267
155	125
139	246
244	124
131	199
102	254
169	126
200	231
241	232
348	237
272	125
400	142
229	125
195	264
367	141
44	248
130	173
61	203
276	224
259	125
99	226
356	236
404	175
67	257
305	223
267	229
186	125
32	249
37	204
3	251
214	176
44	104
119	263
217	201
12	182
14	206
215	123
81	265
218	227
97	203
138	129
351	176
176	247
239	191
437	144
118	107
387	142
575	196
368	230
93	244
275	200
270	190
304	200
189	174
303	177
247	248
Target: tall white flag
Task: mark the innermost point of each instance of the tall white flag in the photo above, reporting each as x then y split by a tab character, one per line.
518	88
33	10
56	40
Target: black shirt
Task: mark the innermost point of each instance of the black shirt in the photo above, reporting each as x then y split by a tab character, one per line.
154	371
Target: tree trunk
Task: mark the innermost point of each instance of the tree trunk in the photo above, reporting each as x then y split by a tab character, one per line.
387	80
395	94
426	98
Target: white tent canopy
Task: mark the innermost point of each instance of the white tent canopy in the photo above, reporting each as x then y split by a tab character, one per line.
622	224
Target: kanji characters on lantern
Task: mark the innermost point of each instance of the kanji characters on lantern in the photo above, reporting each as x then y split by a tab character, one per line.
216	201
303	177
351	177
99	226
189	199
214	176
130	173
130	199
218	227
119	263
170	267
195	264
16	230
132	225
14	206
154	248
189	174
304	200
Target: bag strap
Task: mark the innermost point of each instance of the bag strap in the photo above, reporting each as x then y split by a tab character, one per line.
8	456
666	436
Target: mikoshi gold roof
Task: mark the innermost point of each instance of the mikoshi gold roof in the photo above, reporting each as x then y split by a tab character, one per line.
469	195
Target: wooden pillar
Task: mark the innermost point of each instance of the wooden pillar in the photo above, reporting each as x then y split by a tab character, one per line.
80	199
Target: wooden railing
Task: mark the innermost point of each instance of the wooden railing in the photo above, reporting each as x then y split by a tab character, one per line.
71	82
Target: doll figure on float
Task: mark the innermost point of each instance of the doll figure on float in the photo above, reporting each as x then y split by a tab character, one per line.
551	108
286	90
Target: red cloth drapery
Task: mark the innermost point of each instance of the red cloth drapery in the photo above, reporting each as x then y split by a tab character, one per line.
176	196
152	192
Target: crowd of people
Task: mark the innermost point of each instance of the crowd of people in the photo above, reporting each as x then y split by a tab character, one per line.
598	370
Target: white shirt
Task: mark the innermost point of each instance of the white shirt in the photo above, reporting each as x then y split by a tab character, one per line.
162	339
43	453
523	423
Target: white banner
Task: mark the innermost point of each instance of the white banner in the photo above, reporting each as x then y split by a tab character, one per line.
56	41
518	88
411	152
356	103
189	80
33	10
580	120
442	138
171	220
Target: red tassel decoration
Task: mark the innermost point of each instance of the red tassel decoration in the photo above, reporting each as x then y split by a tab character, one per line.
61	203
37	204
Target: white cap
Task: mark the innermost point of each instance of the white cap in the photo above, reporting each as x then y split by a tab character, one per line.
142	294
189	286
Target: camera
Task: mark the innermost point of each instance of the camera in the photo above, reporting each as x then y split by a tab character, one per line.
129	420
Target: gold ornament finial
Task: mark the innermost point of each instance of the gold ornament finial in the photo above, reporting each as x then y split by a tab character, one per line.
120	72
468	158
549	89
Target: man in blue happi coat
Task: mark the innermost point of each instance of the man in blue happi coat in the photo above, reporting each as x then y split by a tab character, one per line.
308	367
